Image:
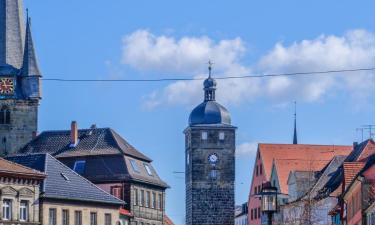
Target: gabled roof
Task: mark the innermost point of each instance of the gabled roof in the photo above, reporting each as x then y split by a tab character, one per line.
284	166
360	153
96	141
167	221
8	168
326	174
298	152
30	64
63	183
351	169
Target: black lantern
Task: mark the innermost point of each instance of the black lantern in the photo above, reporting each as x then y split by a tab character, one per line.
269	200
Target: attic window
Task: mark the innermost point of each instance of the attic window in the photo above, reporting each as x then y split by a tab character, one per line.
79	166
134	165
65	177
148	169
204	135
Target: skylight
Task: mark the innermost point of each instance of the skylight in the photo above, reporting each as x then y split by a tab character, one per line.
65	177
79	166
148	169
134	165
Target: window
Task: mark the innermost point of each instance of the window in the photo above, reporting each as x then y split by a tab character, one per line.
7	209
65	217
213	174
160	201
77	218
136	197
148	198
259	212
257	171
204	135
116	191
221	136
52	217
153	200
142	198
134	165
260	169
79	166
107	219
93	218
148	169
24	209
4	115
255	213
252	214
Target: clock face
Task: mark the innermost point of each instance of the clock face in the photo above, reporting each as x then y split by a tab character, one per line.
6	86
213	158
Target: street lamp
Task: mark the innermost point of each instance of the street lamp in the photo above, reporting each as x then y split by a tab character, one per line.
269	200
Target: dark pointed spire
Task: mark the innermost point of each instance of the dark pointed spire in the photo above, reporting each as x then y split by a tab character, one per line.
209	85
295	140
11	33
30	64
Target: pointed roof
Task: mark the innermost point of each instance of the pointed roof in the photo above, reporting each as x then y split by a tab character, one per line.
11	33
64	183
30	64
270	152
295	140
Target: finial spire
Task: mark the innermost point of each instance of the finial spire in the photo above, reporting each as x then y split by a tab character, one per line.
295	140
209	85
30	64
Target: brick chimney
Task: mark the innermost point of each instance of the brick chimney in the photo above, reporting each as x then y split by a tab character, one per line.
74	133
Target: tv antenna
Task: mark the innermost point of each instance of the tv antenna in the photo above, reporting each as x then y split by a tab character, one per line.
369	127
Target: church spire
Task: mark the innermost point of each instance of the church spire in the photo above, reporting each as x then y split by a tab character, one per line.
30	64
295	141
11	33
209	85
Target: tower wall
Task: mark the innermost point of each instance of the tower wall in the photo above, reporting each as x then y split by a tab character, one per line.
209	199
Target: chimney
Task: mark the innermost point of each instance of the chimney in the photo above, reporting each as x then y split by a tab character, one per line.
355	144
34	134
74	134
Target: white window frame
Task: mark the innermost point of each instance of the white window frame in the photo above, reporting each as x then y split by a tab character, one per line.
204	135
148	169
7	209
24	210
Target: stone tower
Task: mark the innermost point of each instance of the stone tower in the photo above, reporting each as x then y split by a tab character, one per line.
19	79
210	162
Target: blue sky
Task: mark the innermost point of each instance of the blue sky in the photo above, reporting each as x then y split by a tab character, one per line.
152	39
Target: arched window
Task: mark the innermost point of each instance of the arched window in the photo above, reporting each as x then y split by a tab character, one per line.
4	115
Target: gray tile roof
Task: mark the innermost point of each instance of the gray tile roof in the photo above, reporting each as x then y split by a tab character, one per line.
97	141
62	182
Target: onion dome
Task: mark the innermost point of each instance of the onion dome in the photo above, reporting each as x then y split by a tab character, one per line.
209	112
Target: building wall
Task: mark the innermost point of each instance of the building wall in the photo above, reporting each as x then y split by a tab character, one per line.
354	205
241	220
17	190
256	184
72	207
210	186
23	123
153	213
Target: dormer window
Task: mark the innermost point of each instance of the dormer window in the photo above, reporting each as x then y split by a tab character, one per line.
79	166
148	169
4	115
134	165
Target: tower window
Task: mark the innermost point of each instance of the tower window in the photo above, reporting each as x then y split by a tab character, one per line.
204	135
221	136
4	115
213	174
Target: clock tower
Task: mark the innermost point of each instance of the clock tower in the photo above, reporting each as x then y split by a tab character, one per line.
210	162
19	79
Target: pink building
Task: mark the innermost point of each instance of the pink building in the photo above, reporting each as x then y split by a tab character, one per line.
267	153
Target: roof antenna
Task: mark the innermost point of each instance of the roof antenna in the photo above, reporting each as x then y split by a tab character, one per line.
295	140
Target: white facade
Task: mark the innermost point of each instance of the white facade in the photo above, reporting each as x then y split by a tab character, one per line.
241	220
370	215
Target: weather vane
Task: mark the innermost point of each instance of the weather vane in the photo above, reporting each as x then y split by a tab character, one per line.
210	63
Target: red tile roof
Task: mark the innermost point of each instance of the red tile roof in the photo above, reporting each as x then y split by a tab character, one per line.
8	168
285	166
269	152
351	169
167	221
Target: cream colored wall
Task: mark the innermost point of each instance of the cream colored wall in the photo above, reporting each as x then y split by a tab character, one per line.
85	209
16	193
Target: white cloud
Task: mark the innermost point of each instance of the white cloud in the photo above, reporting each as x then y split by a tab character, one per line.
355	49
247	149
